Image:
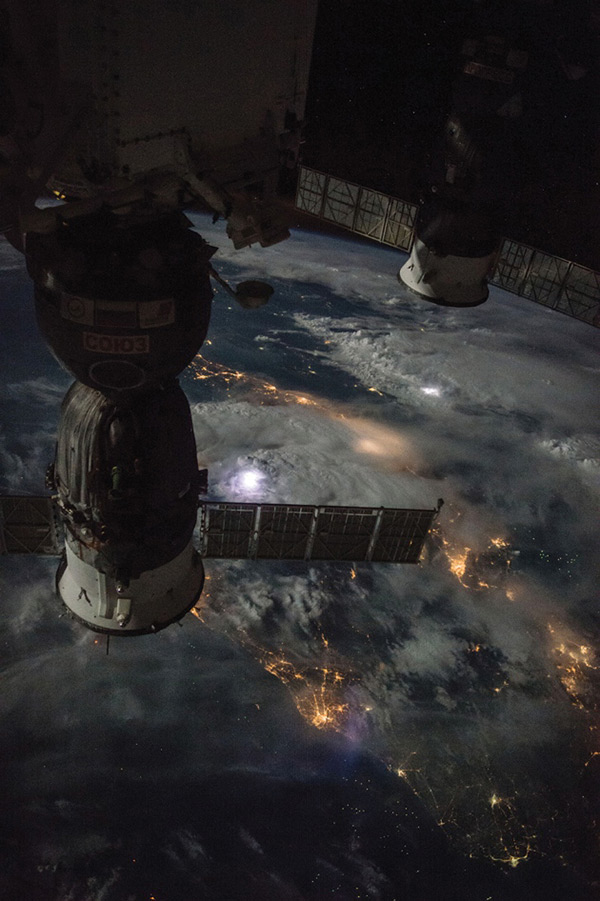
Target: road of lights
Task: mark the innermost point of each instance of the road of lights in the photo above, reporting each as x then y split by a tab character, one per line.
265	392
513	843
480	823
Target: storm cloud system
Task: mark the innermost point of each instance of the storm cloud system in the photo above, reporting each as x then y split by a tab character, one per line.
328	730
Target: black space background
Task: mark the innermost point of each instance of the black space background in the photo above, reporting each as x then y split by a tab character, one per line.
380	89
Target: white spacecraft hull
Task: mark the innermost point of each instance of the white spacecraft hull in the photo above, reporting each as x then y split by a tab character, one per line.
447	280
156	599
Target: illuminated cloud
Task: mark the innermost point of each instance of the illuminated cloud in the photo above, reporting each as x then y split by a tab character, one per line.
512	444
473	674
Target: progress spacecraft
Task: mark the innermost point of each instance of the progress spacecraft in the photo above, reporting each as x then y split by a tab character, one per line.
128	115
472	177
505	148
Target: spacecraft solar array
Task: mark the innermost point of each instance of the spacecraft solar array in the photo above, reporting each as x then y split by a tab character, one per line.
29	525
548	280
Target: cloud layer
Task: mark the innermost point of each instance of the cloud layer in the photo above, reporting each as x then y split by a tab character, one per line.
469	679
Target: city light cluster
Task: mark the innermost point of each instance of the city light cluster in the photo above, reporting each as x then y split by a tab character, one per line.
576	662
485	569
317	691
263	392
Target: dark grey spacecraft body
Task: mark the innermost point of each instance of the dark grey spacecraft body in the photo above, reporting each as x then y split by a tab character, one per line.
127	115
472	177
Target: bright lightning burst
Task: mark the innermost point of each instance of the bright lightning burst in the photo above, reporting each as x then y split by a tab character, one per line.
478	815
250	479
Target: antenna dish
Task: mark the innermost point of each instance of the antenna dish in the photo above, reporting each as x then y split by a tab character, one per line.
253	294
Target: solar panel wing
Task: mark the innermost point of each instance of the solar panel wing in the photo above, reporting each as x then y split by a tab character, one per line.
284	531
227	529
298	532
401	535
343	533
28	526
521	269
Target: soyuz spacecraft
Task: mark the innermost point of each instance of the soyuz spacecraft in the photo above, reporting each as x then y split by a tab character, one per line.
520	78
472	176
128	115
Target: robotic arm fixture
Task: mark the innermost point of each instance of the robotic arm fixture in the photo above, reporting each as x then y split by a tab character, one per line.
128	116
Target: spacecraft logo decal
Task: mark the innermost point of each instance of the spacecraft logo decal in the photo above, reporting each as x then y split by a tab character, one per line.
155	313
77	309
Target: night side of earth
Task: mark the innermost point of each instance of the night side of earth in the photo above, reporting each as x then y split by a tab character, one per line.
328	730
